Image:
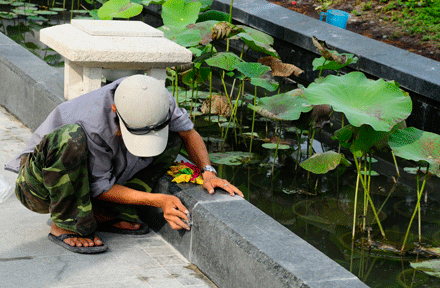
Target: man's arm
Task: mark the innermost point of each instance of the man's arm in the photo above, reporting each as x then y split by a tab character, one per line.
173	209
198	154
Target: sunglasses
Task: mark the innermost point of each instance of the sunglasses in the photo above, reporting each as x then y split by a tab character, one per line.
146	129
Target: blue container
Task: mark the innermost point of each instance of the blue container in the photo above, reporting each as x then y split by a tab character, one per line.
337	18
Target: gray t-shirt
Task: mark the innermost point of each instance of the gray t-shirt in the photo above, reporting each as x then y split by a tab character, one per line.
109	161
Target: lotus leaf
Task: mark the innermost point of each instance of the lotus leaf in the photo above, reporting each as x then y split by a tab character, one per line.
256	45
267	83
321	163
371	173
213	15
379	104
187	38
273	146
177	13
417	145
119	9
251	70
322	63
2	2
195	77
282	107
216	119
415	170
8	15
430	267
224	60
230	158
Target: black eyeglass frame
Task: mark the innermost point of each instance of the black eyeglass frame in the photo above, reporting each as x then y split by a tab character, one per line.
147	129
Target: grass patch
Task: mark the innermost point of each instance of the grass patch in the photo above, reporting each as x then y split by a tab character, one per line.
416	17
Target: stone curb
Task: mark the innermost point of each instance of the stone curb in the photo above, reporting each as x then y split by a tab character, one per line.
30	89
237	245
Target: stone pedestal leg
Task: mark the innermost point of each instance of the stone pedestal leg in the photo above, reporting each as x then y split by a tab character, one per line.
72	79
91	79
158	73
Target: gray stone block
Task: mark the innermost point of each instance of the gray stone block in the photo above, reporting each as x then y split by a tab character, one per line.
237	245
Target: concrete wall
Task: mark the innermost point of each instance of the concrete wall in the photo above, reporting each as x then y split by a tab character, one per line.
29	88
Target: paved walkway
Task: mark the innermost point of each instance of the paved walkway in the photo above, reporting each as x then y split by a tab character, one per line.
29	259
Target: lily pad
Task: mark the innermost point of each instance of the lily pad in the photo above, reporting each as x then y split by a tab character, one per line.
273	146
379	104
417	145
234	158
286	106
415	170
430	267
46	12
321	163
330	211
216	119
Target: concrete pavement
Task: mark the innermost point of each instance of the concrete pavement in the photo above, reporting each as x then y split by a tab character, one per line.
29	259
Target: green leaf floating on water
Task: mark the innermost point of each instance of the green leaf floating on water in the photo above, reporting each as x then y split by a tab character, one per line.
234	158
379	104
417	145
273	146
321	163
119	9
430	267
286	106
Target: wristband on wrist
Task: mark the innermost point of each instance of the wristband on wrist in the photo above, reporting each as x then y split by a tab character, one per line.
209	168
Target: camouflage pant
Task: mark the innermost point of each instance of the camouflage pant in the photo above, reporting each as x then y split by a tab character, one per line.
54	179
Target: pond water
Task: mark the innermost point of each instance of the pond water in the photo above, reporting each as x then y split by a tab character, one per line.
319	209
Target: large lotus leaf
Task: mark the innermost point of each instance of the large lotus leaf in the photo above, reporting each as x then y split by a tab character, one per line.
417	145
224	60
186	38
119	9
282	107
233	158
179	14
322	63
379	104
252	70
205	3
430	267
321	163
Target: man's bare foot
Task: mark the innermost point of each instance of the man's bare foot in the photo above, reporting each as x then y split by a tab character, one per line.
127	225
75	241
122	224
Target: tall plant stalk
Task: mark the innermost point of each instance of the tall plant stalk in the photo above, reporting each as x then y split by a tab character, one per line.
419	197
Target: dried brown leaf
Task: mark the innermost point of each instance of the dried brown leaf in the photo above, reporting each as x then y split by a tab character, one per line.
279	68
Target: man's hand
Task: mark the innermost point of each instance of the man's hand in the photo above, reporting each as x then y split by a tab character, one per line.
174	212
211	181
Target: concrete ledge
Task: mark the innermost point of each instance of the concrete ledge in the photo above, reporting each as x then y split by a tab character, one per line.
414	72
30	89
237	245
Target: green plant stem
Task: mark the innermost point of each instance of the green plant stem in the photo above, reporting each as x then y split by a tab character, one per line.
395	164
320	70
358	167
253	123
355	206
276	150
419	197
